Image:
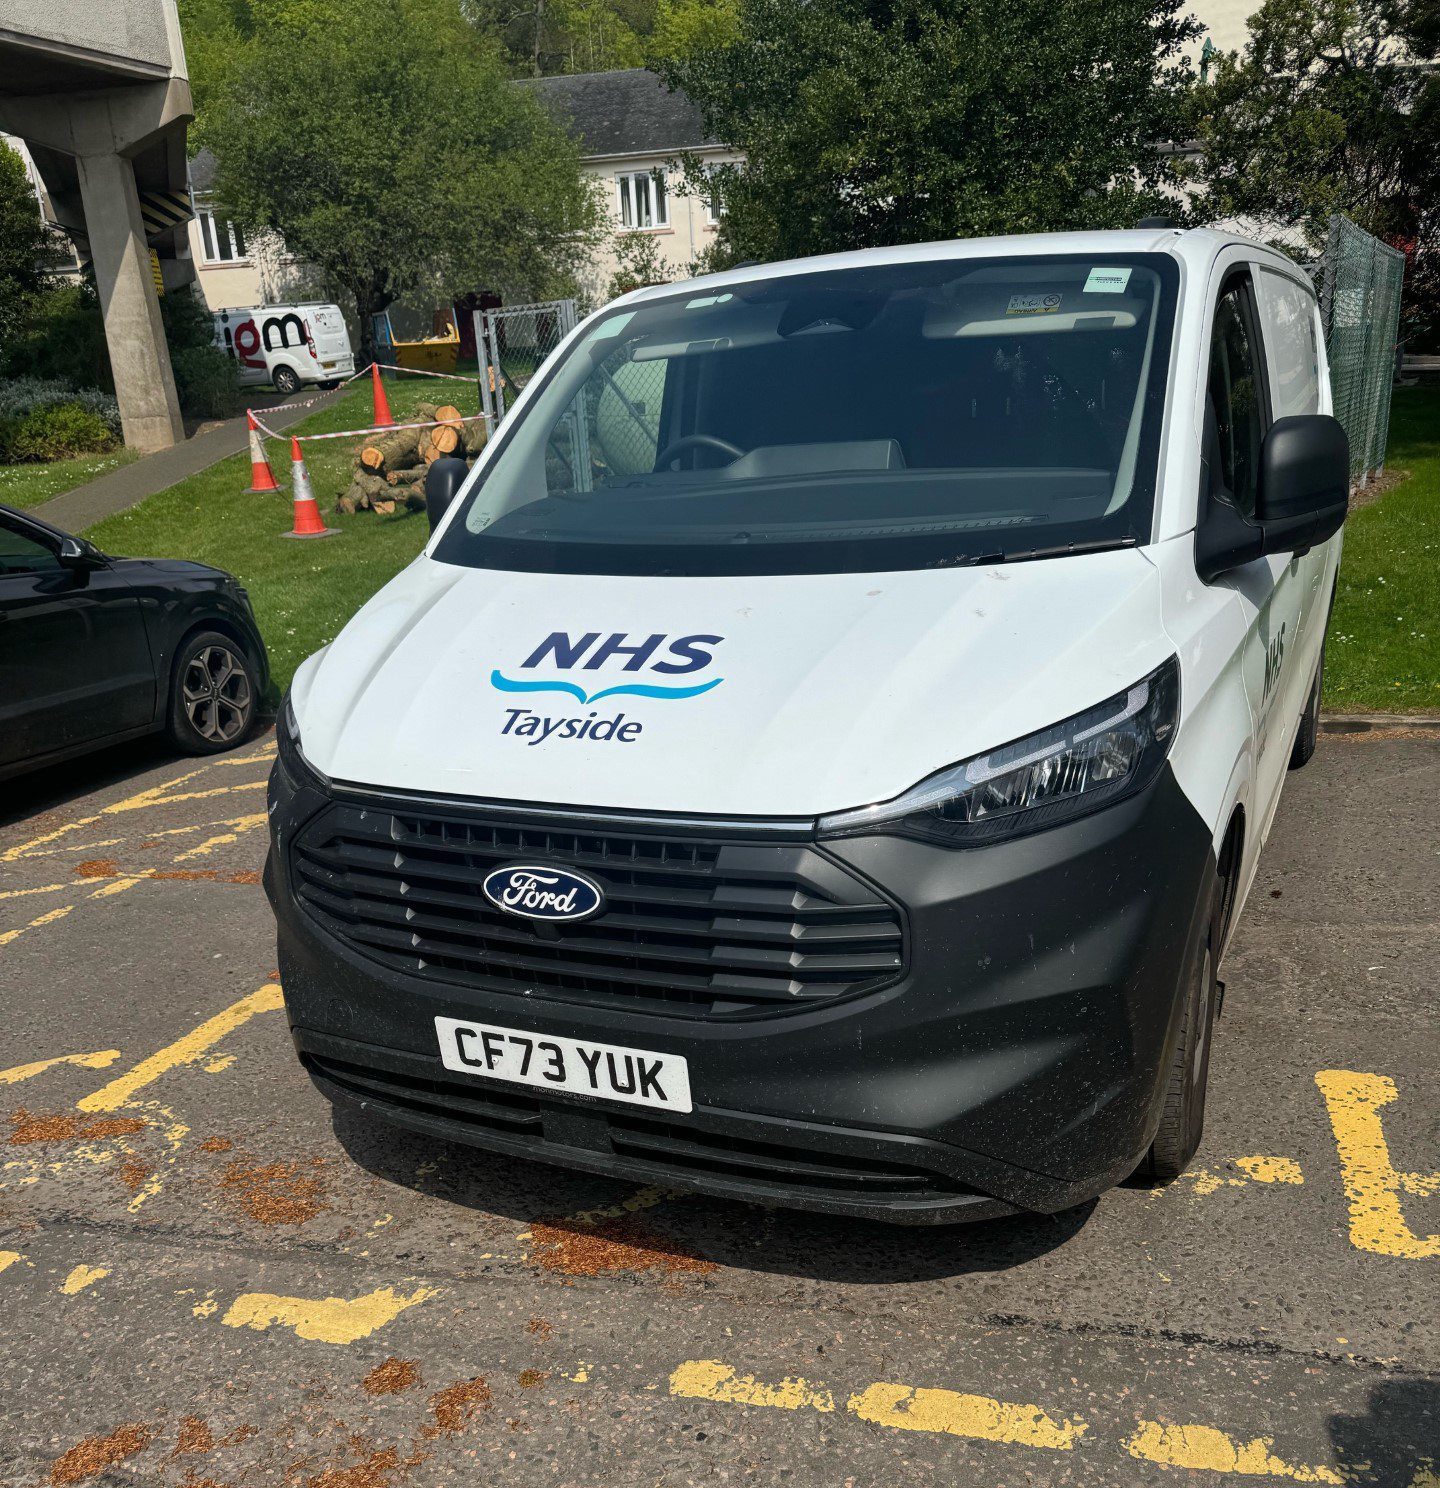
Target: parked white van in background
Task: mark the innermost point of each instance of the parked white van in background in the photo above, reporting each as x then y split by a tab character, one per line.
287	345
822	753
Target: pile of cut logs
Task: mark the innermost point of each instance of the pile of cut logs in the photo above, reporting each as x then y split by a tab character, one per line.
390	468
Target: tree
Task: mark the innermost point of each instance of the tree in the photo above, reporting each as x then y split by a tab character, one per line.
27	246
542	37
384	143
684	27
868	122
1333	106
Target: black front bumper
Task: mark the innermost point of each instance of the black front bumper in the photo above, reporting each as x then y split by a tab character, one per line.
1013	1062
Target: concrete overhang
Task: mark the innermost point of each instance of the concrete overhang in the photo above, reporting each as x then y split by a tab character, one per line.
32	66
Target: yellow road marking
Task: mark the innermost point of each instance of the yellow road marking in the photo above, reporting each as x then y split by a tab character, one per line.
118	886
1271	1169
1373	1185
958	1414
642	1198
48	918
1208	1448
187	1050
8	1259
42	889
323	1319
82	1277
240	824
152	796
710	1379
100	1059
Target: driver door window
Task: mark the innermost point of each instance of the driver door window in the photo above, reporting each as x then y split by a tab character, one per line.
22	554
1236	414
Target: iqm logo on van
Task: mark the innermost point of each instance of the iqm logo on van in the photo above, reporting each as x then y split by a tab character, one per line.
656	653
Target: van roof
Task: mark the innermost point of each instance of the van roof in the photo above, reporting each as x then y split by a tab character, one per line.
284	305
1200	243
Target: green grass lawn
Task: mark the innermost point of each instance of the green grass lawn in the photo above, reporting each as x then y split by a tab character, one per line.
1384	653
29	485
303	592
1384	641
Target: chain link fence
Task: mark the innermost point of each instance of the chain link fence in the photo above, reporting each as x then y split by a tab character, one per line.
1359	280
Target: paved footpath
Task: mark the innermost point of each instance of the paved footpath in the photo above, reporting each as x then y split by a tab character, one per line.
208	1279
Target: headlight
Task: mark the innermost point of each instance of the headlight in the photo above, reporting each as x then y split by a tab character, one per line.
1091	760
287	747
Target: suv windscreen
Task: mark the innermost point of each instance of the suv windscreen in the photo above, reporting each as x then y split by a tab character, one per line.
899	416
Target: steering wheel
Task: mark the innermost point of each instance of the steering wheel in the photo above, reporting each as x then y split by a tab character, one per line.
696	441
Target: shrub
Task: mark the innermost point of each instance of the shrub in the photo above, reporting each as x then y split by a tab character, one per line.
207	381
55	432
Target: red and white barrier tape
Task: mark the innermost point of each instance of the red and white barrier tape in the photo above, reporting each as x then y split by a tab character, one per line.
466	418
420	372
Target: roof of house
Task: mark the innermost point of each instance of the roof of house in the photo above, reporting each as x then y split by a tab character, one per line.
202	171
623	113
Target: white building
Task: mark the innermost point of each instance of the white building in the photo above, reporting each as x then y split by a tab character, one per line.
631	130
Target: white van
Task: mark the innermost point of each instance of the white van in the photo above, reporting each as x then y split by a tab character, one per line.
287	345
822	753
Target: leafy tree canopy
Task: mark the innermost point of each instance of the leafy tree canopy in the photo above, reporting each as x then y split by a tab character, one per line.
385	144
27	248
870	122
1333	106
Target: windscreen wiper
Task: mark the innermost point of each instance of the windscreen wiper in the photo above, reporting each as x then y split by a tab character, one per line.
1059	550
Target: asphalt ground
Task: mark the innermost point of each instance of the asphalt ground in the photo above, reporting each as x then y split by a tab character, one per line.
206	1278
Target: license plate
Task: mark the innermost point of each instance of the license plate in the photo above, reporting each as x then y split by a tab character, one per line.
640	1077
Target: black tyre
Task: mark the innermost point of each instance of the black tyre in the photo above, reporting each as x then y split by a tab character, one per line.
285	380
213	694
1183	1118
1304	746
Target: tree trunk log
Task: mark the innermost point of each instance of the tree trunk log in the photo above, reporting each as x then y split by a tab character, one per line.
445	439
391	451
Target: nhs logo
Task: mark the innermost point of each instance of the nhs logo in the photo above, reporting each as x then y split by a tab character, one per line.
656	658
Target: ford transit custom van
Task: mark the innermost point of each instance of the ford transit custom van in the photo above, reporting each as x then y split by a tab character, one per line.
822	752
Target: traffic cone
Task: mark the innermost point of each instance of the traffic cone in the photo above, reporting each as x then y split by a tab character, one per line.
262	478
308	522
382	417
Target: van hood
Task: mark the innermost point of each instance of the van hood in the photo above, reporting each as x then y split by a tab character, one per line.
784	695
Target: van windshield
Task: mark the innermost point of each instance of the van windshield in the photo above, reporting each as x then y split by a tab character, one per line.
898	416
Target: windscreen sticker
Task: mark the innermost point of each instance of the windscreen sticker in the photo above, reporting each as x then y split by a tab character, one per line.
1107	281
1033	304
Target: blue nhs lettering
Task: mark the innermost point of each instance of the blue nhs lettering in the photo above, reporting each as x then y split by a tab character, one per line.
589	651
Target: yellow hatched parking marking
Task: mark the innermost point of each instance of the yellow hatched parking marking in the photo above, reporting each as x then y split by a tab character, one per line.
48	918
99	1059
1213	1450
1373	1185
187	1050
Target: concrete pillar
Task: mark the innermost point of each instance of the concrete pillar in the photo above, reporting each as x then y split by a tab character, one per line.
139	357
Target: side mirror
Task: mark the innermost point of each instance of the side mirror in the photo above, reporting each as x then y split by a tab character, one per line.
1302	498
76	553
443	479
1304	490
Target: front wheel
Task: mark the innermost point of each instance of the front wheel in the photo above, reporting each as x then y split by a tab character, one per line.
213	694
1183	1118
286	381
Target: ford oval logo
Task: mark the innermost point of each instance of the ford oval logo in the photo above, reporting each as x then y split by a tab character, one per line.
543	893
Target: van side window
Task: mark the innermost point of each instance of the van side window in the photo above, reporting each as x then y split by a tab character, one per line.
1291	344
1235	419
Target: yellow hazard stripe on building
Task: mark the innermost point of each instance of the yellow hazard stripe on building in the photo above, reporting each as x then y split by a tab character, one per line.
162	210
155	271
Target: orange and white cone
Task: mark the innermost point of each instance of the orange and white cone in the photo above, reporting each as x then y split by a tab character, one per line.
308	521
262	478
382	417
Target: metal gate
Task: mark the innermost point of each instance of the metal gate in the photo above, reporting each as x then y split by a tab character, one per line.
512	343
1359	283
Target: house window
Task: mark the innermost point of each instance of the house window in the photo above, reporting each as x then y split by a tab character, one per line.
712	207
642	200
221	240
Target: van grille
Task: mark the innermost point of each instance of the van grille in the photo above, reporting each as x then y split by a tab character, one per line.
692	926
